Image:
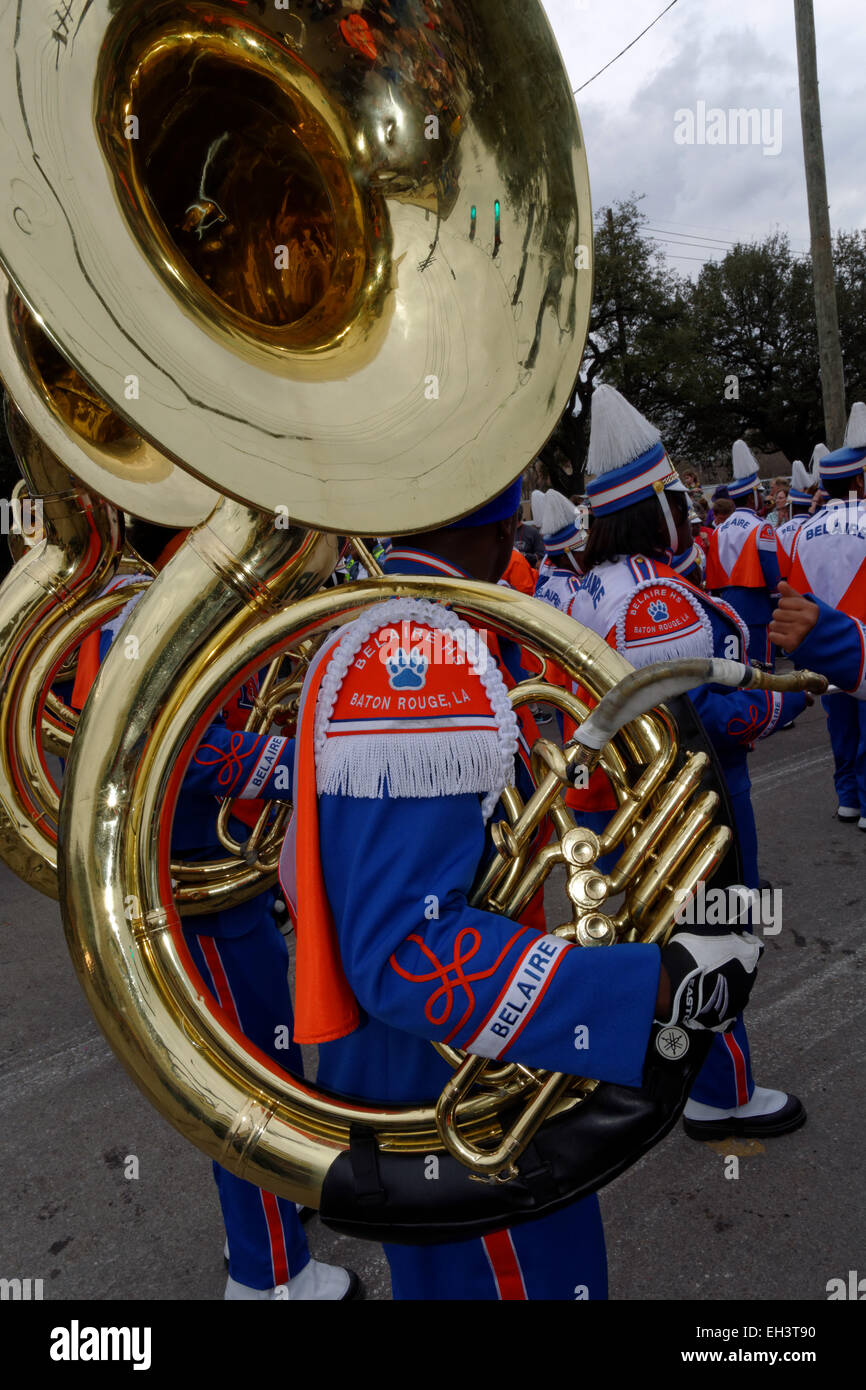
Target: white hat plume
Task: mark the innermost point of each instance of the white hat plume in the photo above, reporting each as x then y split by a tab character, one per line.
557	513
745	463
855	434
819	452
619	434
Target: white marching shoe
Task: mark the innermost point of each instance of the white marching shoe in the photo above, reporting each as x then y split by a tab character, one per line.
316	1283
766	1115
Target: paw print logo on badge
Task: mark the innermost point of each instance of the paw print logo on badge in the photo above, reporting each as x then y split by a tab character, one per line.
407	671
658	611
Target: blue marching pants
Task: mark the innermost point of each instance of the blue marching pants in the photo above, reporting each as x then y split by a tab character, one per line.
760	647
725	1080
559	1257
248	976
846	723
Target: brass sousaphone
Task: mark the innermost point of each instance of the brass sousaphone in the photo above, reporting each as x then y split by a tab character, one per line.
333	261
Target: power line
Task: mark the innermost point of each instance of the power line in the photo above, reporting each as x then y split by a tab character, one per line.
701	242
710	241
692	245
680	256
696	227
627	47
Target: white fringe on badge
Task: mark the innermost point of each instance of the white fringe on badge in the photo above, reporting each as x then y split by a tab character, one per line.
416	765
693	644
410	765
618	434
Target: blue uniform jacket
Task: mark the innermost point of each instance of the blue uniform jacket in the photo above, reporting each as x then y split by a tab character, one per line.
423	964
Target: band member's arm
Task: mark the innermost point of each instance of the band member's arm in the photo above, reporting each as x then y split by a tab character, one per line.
248	766
820	638
228	762
744	716
418	957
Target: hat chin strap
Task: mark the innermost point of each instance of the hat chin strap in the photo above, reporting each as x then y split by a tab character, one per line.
669	518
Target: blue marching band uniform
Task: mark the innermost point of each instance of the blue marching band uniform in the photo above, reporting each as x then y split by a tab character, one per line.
650	612
404	760
828	562
745	560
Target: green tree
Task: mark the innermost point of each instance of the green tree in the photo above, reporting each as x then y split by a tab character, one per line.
752	331
849	255
636	329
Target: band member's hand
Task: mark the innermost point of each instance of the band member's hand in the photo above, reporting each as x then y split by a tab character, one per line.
793	620
710	977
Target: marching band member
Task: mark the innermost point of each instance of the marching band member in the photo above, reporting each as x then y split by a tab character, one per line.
519	573
828	561
800	499
406	738
744	560
640	516
564	528
242	958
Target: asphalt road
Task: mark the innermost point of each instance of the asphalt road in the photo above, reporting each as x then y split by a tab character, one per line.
677	1227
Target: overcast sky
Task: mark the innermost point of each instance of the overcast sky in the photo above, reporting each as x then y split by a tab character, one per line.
726	56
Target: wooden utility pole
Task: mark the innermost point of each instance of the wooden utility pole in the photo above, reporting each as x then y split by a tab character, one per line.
617	307
826	311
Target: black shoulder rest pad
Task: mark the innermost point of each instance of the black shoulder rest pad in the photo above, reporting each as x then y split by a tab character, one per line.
410	1199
